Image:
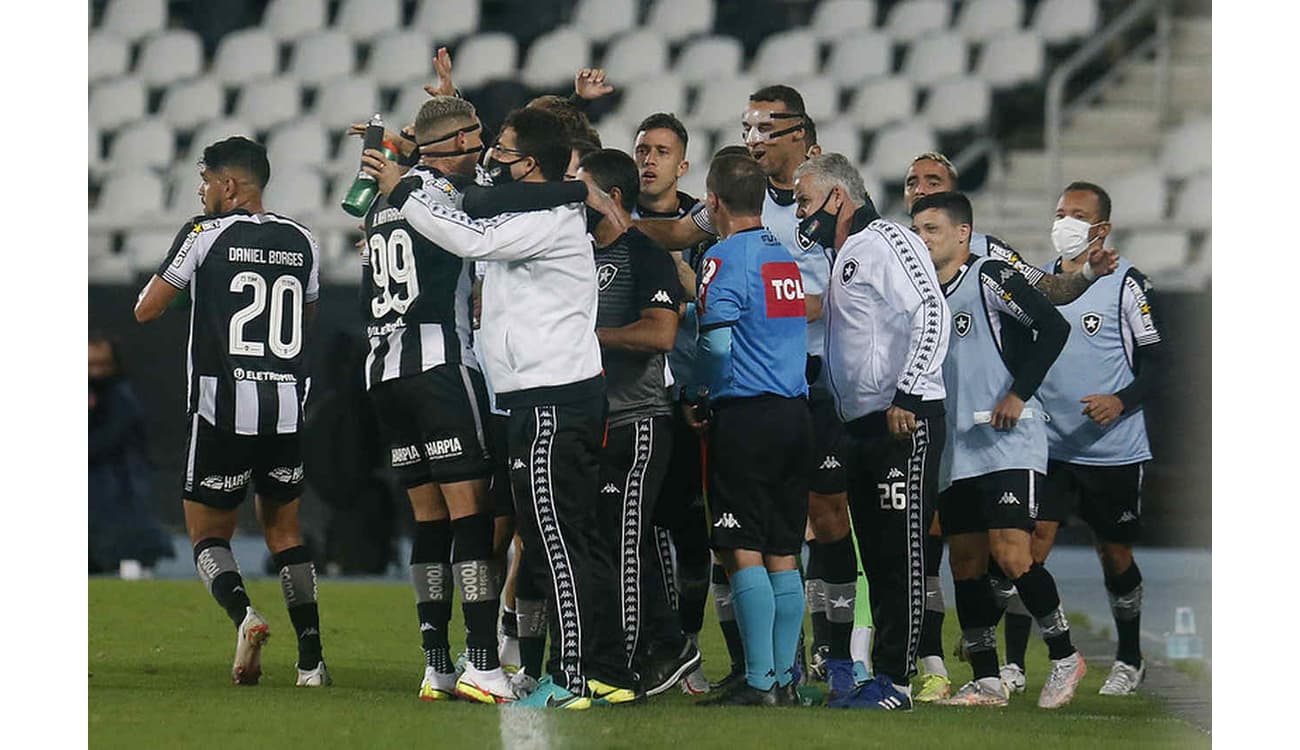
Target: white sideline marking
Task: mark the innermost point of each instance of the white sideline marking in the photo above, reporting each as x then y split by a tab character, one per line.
524	729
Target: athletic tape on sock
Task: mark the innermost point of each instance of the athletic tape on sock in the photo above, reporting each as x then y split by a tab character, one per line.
839	601
934	595
530	616
212	562
814	590
722	600
475	580
298	584
980	639
432	582
1128	606
1054	624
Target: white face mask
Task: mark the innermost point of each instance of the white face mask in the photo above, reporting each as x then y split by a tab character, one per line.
1070	236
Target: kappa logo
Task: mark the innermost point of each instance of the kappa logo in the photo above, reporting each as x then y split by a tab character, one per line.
1091	323
850	268
227	483
727	521
961	323
605	274
1009	498
1006	274
610	489
830	463
894	473
1127	517
518	464
662	297
286	474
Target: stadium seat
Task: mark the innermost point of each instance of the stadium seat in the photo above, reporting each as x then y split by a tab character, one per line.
1186	149
295	192
984	19
708	58
785	55
210	133
268	102
635	56
118	101
959	103
1060	21
340	263
110	269
662	94
401	56
678	20
883	101
820	97
841	137
912	19
617	132
142	144
287	20
1157	252
301	144
834	19
170	56
127	197
859	58
699	152
934	58
447	20
321	57
110	56
134	19
1139	198
245	55
95	149
191	103
410	98
183	181
363	20
1192	209
553	57
99	244
895	146
346	100
1012	59
720	103
602	20
145	249
693	182
875	188
484	58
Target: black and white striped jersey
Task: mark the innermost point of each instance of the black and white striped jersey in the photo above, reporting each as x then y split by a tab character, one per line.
249	276
415	295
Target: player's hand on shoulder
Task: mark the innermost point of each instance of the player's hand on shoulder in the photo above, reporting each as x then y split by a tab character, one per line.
1103	261
901	422
1102	408
1007	413
589	83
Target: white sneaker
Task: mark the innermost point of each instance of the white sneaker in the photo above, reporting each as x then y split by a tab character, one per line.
253	633
694	683
1013	677
1123	679
523	683
1062	680
318	677
988	691
508	654
490	686
438	686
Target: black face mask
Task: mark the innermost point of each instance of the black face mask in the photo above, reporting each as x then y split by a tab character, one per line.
818	228
499	171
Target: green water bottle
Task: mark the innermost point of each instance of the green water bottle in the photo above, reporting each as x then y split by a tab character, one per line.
364	188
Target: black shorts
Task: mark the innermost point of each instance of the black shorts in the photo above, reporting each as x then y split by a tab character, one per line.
999	500
220	465
828	475
1107	498
758	460
435	425
503	498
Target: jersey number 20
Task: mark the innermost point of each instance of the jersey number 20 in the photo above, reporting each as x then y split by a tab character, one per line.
393	260
283	286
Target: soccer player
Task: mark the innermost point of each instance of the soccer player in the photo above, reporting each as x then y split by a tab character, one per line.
543	358
774	127
680	522
886	335
636	323
929	173
1097	439
432	406
253	279
752	339
1005	337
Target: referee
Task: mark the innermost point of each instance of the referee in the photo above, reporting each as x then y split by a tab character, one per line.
886	336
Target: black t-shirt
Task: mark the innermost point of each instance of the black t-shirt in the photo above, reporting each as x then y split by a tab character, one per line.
634	274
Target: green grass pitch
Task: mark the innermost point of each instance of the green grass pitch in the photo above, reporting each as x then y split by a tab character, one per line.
159	671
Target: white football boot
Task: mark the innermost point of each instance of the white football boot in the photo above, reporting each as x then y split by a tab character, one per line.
318	676
1062	681
1013	677
1123	679
485	686
253	634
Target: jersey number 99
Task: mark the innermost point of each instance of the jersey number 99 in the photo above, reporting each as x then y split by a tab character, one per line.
393	261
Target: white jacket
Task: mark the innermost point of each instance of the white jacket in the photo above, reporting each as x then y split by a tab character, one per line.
887	322
538	327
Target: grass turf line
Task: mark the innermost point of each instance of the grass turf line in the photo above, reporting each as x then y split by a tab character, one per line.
160	655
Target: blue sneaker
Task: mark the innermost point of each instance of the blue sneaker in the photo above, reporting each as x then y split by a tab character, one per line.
550	695
840	681
880	694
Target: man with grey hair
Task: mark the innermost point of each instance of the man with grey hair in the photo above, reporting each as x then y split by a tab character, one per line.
882	297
